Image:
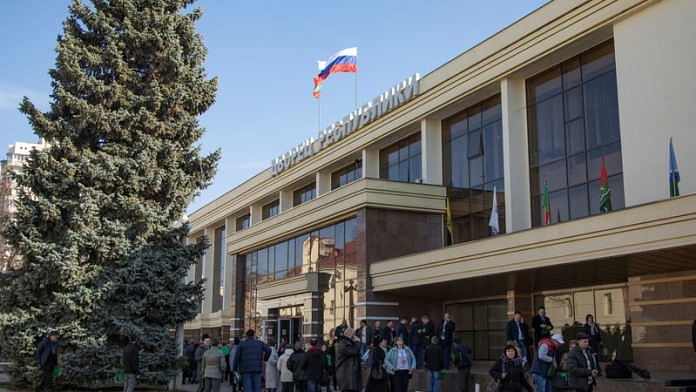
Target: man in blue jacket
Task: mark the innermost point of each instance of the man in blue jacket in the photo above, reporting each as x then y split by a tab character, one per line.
249	360
47	356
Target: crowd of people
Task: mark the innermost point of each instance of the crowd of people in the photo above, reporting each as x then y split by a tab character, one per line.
377	358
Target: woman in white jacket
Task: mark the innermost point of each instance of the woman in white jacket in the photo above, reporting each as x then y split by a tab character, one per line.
272	371
285	373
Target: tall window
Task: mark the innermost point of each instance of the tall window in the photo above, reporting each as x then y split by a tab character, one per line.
402	160
218	269
346	175
573	122
270	210
473	167
243	222
198	272
330	250
481	325
304	194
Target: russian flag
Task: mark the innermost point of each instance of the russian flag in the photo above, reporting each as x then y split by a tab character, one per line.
345	60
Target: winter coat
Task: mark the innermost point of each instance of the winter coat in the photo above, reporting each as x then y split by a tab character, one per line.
365	330
388	334
434	358
285	372
416	335
402	330
233	353
214	363
540	367
272	374
130	359
428	332
515	378
378	361
511	332
536	324
46	347
313	364
190	352
199	358
462	351
339	330
594	339
578	372
392	359
294	364
445	329
347	364
250	356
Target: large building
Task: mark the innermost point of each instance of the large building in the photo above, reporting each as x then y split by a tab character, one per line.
354	223
17	154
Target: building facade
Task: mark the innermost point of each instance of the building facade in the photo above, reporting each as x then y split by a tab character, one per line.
387	213
17	154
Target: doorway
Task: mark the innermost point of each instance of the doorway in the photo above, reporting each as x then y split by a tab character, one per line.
283	331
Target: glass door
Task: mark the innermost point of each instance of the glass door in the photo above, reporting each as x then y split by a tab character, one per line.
284	332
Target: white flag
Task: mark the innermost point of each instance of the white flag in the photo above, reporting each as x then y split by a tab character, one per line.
493	222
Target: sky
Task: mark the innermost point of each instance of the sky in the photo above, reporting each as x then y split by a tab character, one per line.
265	55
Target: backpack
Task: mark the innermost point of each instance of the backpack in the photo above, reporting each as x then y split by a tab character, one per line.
460	357
367	359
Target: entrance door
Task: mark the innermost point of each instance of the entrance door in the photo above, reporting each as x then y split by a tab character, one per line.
289	330
284	332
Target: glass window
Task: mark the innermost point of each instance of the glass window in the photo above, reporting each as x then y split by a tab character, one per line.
573	124
473	167
281	260
270	210
401	160
481	325
304	194
243	222
346	175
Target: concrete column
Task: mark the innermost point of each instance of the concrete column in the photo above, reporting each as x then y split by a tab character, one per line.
656	99
255	213
208	274
313	317
518	214
370	163
431	147
228	259
285	200
323	182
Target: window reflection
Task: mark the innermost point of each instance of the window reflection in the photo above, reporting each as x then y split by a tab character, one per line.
473	167
330	251
573	123
346	175
402	160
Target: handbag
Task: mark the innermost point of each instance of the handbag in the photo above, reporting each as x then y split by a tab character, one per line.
493	386
377	373
560	381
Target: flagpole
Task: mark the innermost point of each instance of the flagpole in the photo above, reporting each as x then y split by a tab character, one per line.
319	114
356	89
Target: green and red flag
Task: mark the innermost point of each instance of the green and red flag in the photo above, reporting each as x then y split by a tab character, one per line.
546	204
604	191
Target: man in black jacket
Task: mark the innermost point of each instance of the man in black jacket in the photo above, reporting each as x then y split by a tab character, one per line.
47	356
402	330
313	365
416	340
295	366
388	333
131	365
444	333
462	360
434	362
365	334
540	322
517	331
582	367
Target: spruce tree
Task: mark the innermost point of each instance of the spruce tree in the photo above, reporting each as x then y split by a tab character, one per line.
102	258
